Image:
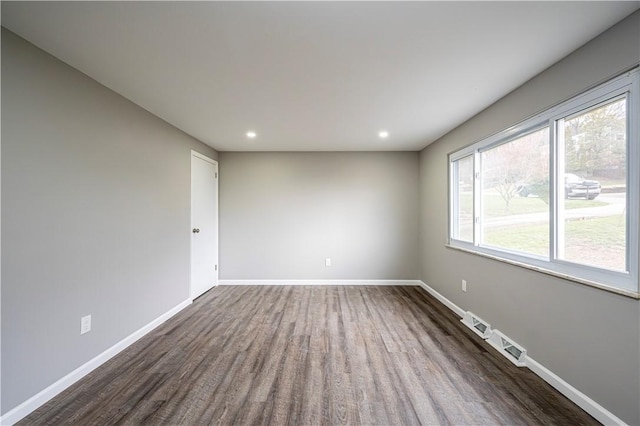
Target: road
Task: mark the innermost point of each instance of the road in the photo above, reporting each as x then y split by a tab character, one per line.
616	205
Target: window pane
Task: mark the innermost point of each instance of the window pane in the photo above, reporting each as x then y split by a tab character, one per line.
515	194
463	199
592	214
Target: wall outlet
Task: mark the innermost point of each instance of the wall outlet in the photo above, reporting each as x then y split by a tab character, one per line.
464	285
327	261
85	324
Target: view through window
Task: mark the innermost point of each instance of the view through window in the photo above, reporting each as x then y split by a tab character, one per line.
560	191
595	180
515	194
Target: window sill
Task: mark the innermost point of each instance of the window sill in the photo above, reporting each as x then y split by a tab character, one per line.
626	293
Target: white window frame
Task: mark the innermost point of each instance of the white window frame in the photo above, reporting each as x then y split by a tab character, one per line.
626	85
454	205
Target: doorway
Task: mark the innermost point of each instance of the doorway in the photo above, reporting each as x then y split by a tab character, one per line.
204	224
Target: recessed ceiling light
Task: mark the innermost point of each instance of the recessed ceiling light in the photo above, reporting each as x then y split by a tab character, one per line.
251	135
383	134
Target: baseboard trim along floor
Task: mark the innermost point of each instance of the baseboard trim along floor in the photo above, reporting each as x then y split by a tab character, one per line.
583	401
321	282
39	399
305	355
596	410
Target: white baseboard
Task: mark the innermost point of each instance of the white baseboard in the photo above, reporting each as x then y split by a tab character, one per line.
597	411
446	302
18	413
39	399
321	282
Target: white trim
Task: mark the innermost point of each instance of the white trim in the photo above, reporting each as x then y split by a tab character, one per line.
39	399
217	259
448	303
631	294
596	410
203	157
625	86
412	283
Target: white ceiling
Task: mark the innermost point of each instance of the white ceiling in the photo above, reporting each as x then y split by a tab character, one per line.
312	76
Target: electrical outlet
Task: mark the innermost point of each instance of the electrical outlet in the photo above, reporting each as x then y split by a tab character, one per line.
464	285
85	324
327	261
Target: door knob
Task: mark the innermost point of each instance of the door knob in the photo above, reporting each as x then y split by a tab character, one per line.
196	230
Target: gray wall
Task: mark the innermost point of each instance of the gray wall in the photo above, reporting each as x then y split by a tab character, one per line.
589	337
95	220
282	214
96	216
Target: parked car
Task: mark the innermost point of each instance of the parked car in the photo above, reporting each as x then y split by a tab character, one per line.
574	187
577	187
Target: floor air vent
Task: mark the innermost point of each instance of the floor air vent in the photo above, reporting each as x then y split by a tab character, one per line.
477	325
512	351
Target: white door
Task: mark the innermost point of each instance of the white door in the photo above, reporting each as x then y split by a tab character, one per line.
204	224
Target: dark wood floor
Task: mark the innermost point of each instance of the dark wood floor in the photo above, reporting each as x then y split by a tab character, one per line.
311	355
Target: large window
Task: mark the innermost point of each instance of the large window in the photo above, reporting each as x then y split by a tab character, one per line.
560	191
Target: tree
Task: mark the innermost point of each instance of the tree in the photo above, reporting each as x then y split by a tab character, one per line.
507	167
596	140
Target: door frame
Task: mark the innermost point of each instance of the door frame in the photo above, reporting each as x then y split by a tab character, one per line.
196	154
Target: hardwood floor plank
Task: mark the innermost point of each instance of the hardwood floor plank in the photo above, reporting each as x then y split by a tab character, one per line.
310	355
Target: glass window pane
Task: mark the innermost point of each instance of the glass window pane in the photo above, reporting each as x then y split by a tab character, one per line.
592	214
515	194
463	199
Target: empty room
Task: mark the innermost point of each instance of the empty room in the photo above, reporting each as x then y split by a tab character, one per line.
362	213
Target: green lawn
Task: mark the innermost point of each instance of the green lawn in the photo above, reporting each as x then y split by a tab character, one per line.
533	239
494	206
603	232
600	241
596	241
